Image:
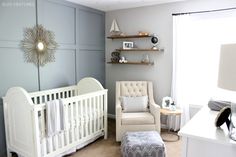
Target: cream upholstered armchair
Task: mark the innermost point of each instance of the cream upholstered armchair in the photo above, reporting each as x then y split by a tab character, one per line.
128	120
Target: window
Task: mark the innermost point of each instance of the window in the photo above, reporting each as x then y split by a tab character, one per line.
196	47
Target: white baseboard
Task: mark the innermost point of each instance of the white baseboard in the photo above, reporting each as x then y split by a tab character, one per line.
112	116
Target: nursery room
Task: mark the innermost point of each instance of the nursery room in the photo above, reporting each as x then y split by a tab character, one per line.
117	78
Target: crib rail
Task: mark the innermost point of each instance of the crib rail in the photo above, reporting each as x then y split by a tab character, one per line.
85	118
52	94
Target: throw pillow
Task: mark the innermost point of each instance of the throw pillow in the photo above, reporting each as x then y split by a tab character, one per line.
134	104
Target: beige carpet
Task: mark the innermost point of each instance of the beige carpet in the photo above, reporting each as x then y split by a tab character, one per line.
111	148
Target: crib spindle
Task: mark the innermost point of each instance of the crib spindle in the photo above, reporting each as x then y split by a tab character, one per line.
81	119
86	116
90	116
97	114
76	120
72	122
66	124
101	111
94	114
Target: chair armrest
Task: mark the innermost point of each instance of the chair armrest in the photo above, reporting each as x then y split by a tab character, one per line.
155	111
118	109
118	120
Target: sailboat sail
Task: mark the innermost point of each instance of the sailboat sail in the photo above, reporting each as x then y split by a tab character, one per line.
114	27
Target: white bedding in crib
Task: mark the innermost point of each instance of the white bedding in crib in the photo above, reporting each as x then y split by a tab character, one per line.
54	117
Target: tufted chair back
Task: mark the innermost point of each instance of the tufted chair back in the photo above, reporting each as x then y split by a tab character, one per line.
133	88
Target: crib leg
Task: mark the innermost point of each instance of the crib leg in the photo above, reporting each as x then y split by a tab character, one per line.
105	129
105	135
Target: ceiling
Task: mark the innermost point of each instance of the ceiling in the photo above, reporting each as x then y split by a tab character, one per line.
109	5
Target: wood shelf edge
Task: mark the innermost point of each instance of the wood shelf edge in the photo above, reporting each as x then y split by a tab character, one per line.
129	36
137	49
134	63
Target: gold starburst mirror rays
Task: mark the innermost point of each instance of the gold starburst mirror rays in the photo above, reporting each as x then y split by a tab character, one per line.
39	45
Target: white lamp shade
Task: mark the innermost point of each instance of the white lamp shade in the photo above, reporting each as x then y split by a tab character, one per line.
227	67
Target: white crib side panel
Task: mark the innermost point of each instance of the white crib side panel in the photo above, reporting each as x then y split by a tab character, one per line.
85	120
19	115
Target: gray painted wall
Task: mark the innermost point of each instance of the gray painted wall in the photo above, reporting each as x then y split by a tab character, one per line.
154	19
79	32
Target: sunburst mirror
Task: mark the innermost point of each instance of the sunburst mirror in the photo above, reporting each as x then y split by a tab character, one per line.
39	45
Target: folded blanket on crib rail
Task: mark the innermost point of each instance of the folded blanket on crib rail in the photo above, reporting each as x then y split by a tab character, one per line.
54	117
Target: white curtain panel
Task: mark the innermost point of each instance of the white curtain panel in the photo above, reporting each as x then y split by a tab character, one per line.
196	47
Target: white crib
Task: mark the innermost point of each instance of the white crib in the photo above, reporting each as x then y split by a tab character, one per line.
85	107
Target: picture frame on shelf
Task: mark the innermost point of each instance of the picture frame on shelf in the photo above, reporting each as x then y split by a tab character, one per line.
128	44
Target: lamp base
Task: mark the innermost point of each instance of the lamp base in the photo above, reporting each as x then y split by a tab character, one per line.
233	134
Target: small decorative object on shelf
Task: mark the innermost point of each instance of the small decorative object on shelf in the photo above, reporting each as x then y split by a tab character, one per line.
145	59
122	60
128	45
115	31
154	41
141	33
115	56
122	34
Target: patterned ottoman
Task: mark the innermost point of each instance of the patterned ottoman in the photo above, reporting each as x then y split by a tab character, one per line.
142	144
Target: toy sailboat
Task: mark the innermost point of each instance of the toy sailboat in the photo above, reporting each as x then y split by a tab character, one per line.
114	28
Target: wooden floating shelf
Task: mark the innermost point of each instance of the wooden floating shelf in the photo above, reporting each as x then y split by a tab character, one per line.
134	63
136	49
129	36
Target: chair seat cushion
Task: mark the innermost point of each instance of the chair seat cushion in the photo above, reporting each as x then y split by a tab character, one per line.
137	118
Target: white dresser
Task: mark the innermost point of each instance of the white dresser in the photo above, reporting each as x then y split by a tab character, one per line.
202	139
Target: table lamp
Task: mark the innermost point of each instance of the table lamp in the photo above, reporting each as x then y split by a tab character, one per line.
227	80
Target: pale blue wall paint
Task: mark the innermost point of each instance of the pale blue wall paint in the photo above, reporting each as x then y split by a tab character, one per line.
79	32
